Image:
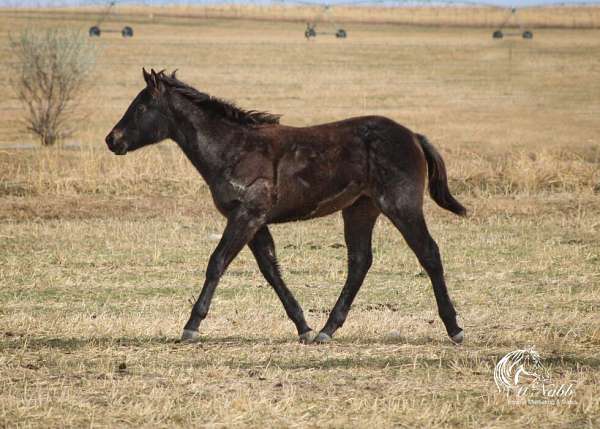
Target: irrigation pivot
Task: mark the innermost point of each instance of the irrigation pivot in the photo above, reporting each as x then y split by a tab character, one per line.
324	17
96	31
311	31
499	34
311	27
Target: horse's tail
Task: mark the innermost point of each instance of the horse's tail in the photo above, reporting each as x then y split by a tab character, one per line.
438	180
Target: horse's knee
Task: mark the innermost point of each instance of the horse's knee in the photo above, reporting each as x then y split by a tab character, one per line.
361	260
215	269
212	274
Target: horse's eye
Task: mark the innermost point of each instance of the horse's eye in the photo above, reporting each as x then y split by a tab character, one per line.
141	108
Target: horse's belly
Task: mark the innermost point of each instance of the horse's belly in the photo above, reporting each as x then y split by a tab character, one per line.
337	201
300	204
319	178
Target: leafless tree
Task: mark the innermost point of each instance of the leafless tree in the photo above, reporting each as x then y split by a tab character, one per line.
50	70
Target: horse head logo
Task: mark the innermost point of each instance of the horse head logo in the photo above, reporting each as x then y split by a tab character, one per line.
518	368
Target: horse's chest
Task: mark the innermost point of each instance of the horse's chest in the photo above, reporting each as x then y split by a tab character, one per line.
248	182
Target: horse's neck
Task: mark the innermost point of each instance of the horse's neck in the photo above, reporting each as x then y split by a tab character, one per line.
200	137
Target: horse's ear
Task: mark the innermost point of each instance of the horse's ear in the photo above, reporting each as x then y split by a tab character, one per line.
146	76
154	83
153	78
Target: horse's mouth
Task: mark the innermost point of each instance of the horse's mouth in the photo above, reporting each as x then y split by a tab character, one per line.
118	149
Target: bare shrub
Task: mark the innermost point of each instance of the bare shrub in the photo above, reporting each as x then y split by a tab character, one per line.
50	70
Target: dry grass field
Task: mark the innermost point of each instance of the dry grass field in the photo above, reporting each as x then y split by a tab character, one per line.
101	255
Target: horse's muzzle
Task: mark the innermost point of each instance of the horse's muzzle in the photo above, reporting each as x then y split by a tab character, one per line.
114	141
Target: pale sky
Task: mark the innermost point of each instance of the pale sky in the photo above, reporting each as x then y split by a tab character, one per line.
500	3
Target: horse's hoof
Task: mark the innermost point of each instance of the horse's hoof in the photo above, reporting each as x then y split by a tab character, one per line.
190	336
322	338
458	338
308	337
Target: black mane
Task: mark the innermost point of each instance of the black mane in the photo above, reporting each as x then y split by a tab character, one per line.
216	105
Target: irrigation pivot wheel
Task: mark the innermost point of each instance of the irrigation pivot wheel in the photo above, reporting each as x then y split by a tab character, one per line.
341	34
310	32
94	31
497	34
527	34
127	31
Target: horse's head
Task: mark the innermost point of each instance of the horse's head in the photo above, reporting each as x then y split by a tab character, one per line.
146	119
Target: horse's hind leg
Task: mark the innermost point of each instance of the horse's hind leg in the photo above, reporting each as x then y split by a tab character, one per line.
359	220
263	248
406	214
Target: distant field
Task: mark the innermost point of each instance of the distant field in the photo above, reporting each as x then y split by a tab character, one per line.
100	256
462	16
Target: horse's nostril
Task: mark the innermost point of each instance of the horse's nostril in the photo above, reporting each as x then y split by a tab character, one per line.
109	139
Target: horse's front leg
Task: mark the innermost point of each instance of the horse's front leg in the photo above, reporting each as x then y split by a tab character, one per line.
240	229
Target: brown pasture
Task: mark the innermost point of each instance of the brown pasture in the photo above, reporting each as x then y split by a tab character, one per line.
100	256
